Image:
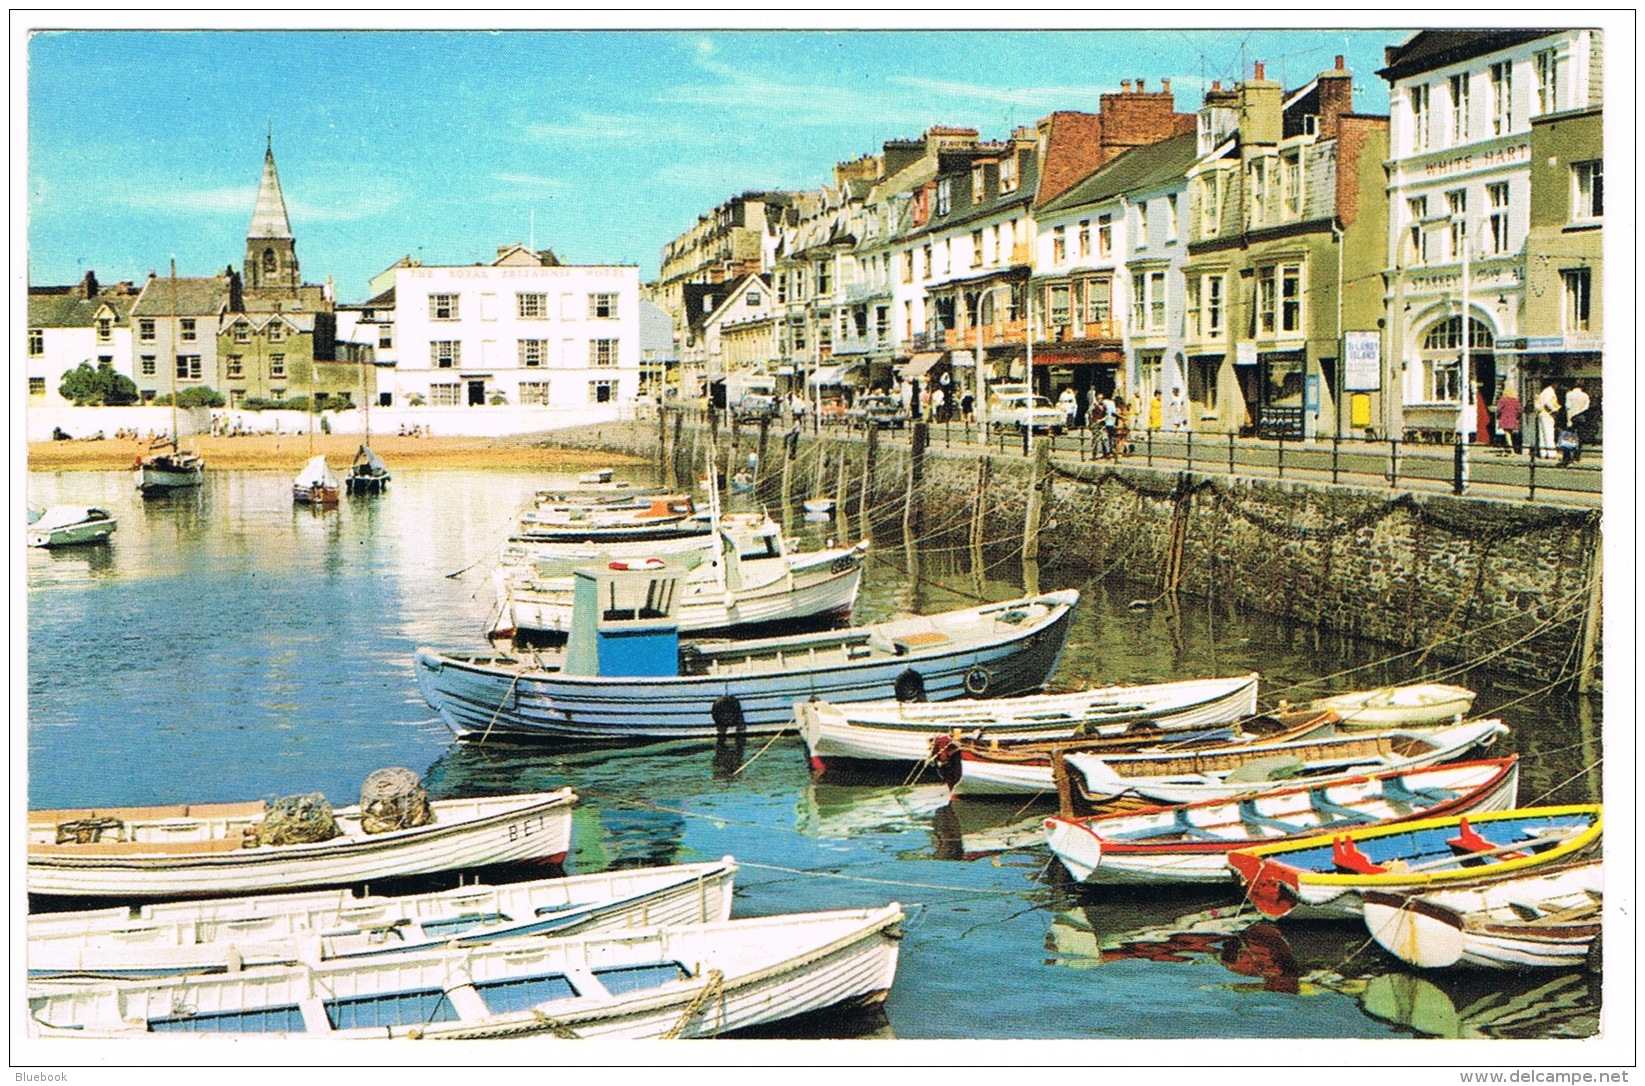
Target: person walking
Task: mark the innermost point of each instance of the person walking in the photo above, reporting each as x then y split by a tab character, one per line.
1176	410
1156	412
1547	411
1576	402
1507	419
1069	405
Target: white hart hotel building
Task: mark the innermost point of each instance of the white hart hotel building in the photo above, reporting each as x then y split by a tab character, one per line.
523	330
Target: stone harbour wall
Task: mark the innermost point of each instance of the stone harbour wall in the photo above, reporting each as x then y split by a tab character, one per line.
1453	580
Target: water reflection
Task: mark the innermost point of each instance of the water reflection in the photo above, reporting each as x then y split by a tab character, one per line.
227	646
1478	1005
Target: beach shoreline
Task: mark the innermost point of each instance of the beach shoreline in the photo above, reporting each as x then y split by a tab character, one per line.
288	453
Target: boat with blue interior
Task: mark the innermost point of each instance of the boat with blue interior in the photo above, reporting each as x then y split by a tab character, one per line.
626	675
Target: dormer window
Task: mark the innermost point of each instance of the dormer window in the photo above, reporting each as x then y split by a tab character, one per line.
276	332
945	191
1008	174
105	329
242	334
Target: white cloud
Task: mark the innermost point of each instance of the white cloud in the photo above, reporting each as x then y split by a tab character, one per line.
234	200
531	181
797	103
588	126
1047	98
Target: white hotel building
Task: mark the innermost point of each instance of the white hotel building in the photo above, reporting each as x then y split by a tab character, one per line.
518	331
1462	105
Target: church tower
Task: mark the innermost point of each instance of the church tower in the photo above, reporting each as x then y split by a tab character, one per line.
271	251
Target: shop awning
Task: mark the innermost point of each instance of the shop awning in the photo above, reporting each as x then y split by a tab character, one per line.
830	375
959	359
921	364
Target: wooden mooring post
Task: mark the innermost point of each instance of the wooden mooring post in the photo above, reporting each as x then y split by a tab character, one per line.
865	529
1036	483
662	446
913	504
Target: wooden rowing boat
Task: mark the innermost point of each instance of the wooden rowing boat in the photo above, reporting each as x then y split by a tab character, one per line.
227	934
1323	877
696	980
1549	919
902	731
1004	767
212	850
1191	776
1400	706
1190	842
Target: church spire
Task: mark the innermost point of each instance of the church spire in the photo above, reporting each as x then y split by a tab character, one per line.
268	218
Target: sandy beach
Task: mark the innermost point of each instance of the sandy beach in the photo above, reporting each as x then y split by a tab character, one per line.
287	452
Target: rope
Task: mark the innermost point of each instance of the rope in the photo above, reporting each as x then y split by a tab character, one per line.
714	987
774	737
499	711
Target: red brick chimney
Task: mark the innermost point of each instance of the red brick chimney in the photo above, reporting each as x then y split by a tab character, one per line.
1134	118
1336	97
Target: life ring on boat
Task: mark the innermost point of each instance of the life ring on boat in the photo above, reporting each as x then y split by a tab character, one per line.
727	712
638	563
977	681
910	686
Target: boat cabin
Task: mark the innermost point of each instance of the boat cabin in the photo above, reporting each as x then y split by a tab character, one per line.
623	619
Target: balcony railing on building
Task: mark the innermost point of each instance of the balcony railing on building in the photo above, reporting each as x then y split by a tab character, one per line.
1073	331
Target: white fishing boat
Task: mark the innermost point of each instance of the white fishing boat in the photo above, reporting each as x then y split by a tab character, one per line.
693	980
902	731
720	591
1324	877
1187	778
1400	706
1189	843
218	849
226	934
316	484
1547	920
625	674
175	469
67	525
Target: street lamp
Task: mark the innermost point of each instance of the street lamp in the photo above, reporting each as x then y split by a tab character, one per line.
1465	392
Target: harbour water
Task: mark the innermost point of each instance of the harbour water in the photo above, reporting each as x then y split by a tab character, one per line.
227	645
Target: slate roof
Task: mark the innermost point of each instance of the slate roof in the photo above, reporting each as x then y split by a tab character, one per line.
59	310
1430	49
194	296
1139	168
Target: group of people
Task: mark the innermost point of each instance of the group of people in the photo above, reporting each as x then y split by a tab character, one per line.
938	400
1556	422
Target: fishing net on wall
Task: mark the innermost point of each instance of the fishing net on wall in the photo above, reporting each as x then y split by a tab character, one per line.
297	820
393	799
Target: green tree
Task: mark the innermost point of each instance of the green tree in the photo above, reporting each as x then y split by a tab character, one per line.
88	386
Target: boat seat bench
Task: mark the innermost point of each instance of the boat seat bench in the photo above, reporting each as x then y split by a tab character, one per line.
1249	815
140	848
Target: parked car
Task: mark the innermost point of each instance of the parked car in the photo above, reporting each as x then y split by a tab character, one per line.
757	405
878	413
1024	411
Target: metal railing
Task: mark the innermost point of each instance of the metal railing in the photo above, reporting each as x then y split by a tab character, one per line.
1530	474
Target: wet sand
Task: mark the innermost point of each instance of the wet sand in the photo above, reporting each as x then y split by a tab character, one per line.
287	452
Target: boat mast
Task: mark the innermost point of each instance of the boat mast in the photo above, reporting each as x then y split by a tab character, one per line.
175	341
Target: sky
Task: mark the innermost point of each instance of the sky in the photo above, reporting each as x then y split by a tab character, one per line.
144	146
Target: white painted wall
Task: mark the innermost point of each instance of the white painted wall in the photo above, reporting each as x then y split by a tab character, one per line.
489	329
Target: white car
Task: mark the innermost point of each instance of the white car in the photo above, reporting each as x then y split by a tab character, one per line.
1028	412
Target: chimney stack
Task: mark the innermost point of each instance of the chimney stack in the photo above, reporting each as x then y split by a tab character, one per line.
1125	86
1140	87
1165	86
1261	109
1336	97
